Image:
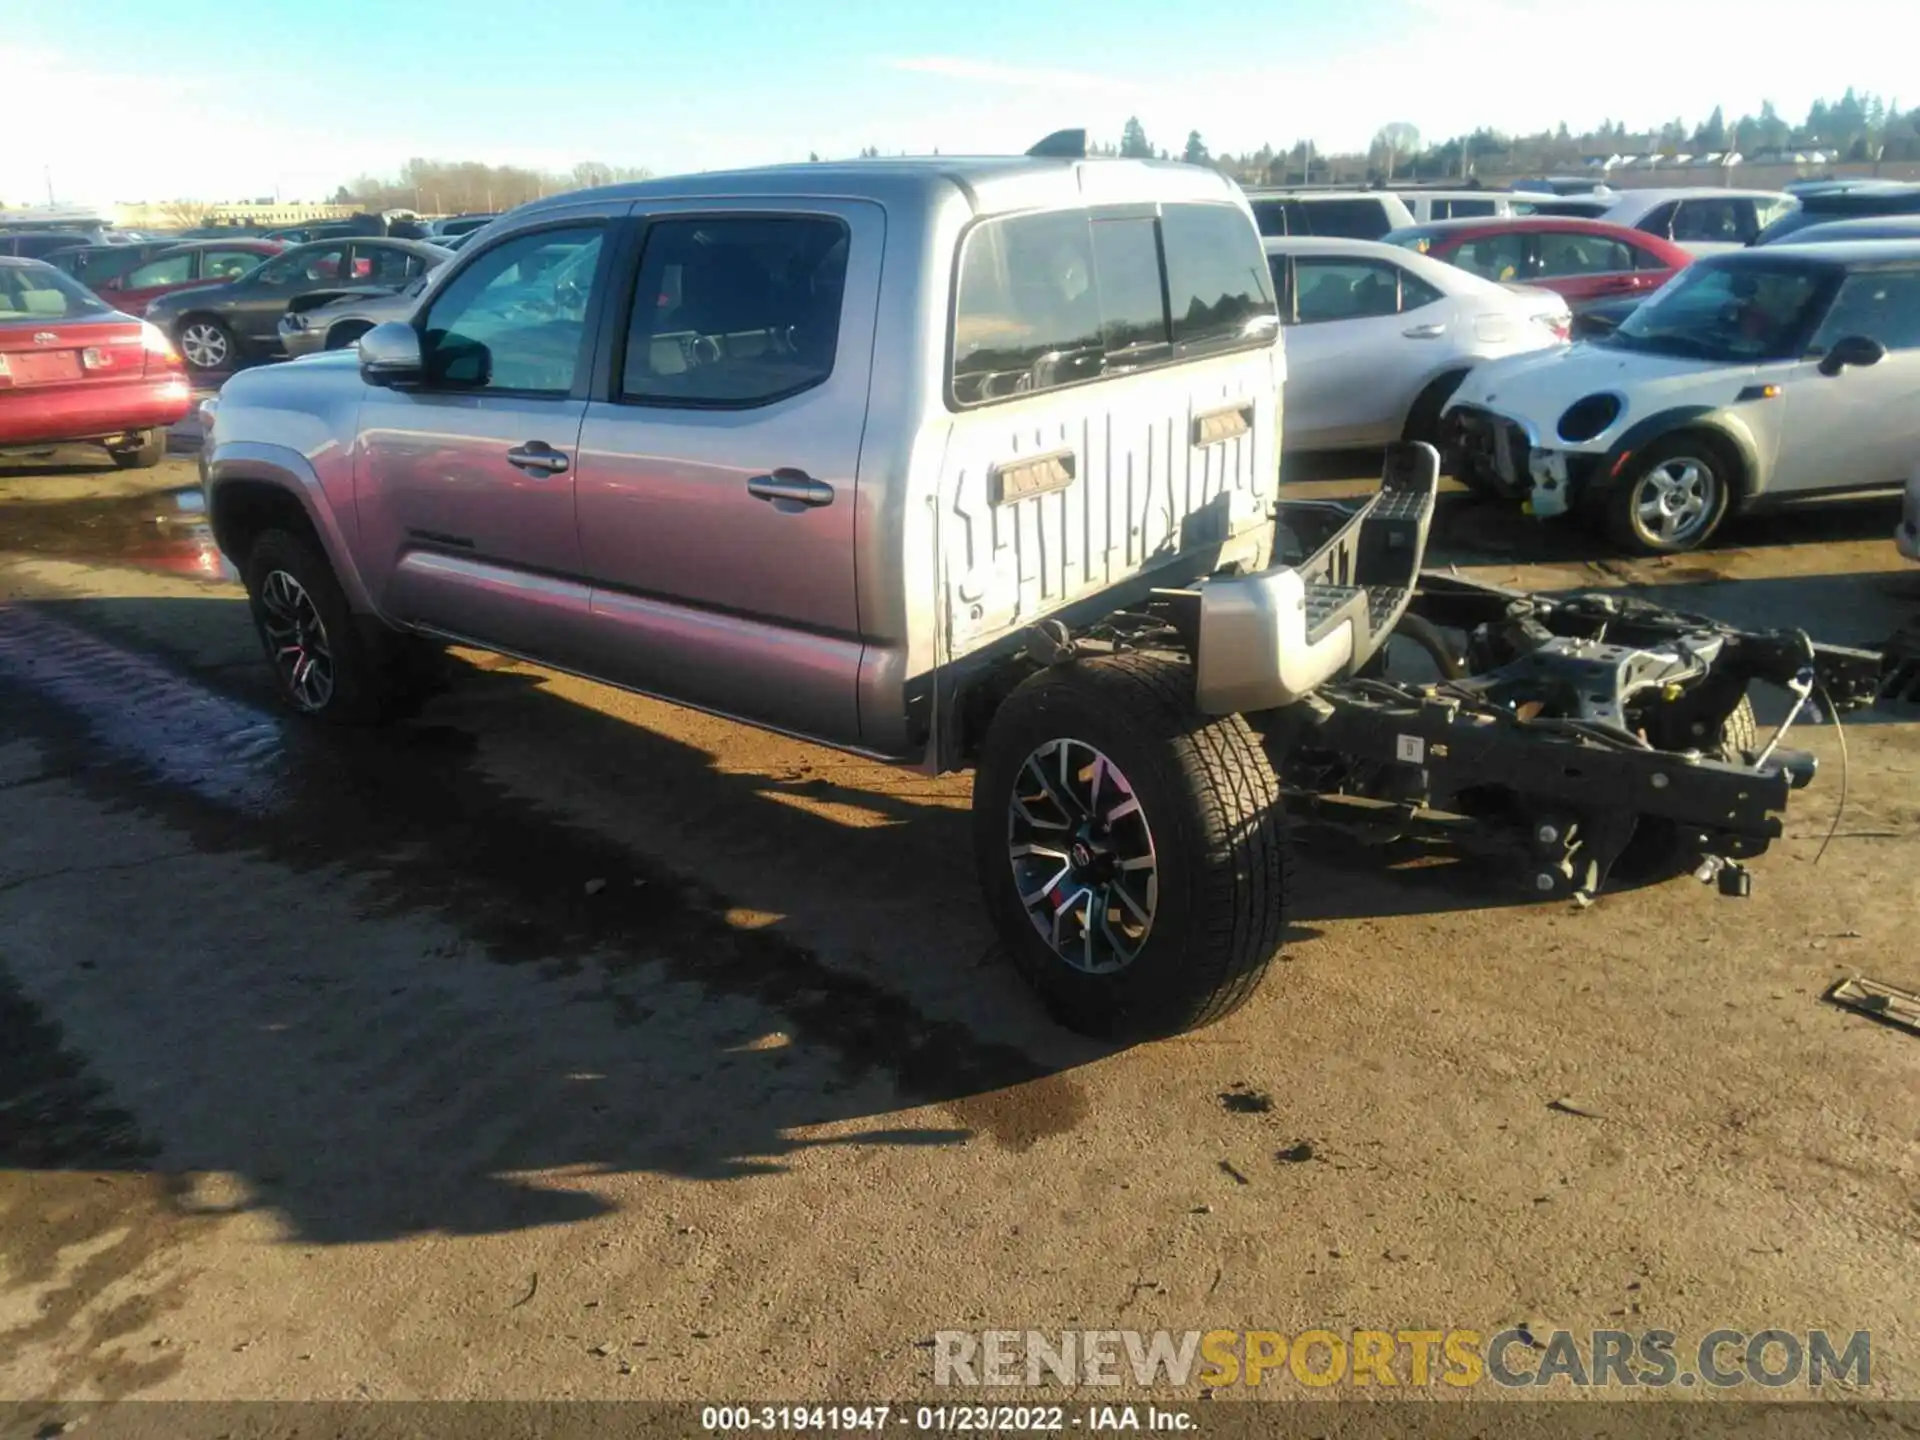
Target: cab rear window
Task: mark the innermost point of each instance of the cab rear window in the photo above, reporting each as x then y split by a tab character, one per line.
1058	298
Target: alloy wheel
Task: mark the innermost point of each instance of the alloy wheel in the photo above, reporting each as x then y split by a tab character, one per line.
205	345
1676	500
1083	857
297	639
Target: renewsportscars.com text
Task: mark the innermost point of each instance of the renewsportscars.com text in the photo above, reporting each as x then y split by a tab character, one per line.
1407	1359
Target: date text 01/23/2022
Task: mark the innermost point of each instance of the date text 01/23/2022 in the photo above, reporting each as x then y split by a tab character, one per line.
942	1419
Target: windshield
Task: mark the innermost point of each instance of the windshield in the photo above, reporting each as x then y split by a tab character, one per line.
40	292
1727	313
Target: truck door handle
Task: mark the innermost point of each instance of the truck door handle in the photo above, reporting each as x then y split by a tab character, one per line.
795	487
537	457
1424	332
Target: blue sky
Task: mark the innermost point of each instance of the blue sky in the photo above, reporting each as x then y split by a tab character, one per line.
178	98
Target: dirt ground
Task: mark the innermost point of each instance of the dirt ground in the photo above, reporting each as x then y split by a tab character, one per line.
564	1044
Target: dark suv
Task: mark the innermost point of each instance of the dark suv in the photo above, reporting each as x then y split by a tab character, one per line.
1885	198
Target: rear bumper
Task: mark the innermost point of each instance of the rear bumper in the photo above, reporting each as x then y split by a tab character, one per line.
92	412
1268	640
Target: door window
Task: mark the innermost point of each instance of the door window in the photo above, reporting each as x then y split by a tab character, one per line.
167	270
298	267
1719	221
1271	217
227	264
379	265
1330	289
1571	253
515	319
735	311
1470	209
1659	221
1493	257
1883	305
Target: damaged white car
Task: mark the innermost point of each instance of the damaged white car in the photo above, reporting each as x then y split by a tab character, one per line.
1753	378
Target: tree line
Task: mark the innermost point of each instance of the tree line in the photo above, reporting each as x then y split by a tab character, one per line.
1856	128
443	187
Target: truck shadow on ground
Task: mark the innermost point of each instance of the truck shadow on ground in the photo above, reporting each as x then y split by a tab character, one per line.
728	969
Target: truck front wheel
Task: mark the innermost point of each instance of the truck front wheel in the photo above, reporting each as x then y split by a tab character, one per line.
1129	847
325	662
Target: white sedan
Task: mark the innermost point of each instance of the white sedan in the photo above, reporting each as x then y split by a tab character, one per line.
1379	337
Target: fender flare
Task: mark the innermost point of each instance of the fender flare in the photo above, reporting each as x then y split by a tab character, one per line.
287	470
1642	433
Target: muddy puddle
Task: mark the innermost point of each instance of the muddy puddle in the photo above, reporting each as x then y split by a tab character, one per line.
164	531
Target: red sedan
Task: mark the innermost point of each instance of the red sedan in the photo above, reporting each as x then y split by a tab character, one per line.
202	262
73	369
1584	260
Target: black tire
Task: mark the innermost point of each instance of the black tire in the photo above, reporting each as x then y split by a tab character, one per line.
1423	417
364	685
1209	801
144	456
1691	461
1655	852
215	345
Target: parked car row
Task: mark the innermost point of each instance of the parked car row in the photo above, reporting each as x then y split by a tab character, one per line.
236	320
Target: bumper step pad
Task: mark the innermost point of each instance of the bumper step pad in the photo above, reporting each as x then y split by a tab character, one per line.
1364	575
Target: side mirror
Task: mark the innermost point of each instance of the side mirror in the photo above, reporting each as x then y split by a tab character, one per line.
390	355
1852	350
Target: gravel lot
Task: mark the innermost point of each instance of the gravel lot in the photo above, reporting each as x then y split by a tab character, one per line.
565	1044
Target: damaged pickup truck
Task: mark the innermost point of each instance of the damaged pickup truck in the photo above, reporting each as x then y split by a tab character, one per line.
974	464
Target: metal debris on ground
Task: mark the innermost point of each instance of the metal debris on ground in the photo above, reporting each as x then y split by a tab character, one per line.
1877	1001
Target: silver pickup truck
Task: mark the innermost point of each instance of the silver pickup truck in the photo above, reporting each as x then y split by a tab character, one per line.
969	463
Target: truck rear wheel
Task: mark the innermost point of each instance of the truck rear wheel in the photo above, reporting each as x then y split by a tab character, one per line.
1129	847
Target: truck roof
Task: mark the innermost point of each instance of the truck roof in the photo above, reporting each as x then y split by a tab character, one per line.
989	183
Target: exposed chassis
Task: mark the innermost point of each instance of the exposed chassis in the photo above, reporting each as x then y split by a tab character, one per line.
1558	728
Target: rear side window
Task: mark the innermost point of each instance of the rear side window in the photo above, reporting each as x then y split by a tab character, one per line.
1493	257
1471	209
736	311
227	264
1055	298
1217	277
1358	219
1271	217
1883	305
